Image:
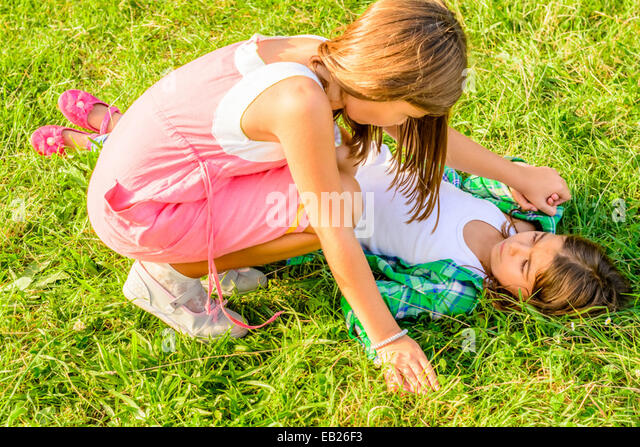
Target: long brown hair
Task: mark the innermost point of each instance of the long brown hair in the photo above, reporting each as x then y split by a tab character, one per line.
403	50
581	279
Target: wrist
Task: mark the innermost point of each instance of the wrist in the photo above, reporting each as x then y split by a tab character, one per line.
513	175
389	340
381	332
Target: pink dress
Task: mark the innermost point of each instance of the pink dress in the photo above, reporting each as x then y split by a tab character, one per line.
178	181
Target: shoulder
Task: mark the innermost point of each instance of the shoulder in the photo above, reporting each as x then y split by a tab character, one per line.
298	101
301	95
291	102
522	225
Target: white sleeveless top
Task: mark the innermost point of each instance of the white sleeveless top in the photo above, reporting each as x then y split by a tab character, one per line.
257	77
414	242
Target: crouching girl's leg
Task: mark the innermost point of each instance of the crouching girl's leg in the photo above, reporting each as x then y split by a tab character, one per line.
279	249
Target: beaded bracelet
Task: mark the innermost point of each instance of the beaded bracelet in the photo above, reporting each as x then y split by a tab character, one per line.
390	339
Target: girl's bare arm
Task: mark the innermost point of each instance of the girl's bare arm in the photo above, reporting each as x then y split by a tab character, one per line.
541	186
300	116
304	129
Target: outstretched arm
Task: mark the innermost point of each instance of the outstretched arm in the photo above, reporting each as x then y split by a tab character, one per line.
541	187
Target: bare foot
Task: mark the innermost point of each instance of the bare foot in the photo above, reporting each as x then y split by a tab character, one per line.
97	115
75	139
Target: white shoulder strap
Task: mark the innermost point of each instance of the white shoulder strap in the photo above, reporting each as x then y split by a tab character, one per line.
226	124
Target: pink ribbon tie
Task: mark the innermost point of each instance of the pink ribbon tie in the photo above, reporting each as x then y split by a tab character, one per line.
213	272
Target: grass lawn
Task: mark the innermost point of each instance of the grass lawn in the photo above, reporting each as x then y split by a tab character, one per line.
555	82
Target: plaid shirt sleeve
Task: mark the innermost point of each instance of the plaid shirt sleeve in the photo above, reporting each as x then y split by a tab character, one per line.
438	288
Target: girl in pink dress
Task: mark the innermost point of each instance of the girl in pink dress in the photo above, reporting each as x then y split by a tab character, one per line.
185	181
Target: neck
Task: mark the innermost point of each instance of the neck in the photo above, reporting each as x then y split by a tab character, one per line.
483	254
481	237
333	89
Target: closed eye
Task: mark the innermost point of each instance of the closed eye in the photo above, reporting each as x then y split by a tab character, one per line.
533	242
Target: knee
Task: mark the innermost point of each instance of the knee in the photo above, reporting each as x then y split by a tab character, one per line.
345	163
350	201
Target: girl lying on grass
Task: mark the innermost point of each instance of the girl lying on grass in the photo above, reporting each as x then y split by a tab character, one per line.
443	264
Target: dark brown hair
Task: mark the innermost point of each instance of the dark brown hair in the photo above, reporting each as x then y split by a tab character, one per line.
403	50
581	279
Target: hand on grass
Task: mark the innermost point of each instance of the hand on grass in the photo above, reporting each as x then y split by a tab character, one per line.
541	188
406	367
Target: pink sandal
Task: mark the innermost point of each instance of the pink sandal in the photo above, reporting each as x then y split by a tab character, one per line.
76	105
48	140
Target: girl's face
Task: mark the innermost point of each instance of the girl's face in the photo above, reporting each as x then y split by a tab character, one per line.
517	260
381	114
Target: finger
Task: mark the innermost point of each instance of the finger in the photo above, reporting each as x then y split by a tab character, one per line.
394	380
407	387
388	378
430	374
411	380
549	210
392	386
526	205
401	386
522	200
561	200
421	374
557	199
563	193
424	386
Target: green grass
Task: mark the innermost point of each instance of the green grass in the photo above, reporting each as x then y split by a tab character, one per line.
556	82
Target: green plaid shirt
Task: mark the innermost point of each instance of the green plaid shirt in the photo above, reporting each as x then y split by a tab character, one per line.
439	287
